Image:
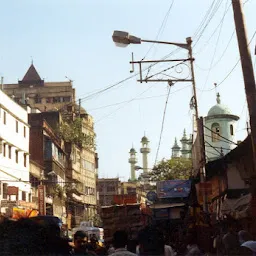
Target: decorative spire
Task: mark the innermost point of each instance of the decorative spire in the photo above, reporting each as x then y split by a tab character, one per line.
175	144
218	98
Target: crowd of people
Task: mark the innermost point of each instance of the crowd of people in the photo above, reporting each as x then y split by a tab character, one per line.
25	237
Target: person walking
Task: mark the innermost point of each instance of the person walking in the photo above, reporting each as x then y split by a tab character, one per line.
120	240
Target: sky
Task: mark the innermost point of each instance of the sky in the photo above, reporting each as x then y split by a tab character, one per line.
74	39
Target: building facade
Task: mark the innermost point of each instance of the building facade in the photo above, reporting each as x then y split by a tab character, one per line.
108	188
39	94
14	153
47	150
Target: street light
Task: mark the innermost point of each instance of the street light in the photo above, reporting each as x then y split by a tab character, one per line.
122	38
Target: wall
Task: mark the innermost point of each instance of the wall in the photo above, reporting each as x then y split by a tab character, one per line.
226	146
14	140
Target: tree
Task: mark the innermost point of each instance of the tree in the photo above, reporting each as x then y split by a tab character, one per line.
72	132
171	169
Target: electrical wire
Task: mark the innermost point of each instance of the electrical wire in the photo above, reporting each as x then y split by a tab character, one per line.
104	117
213	148
162	126
220	24
135	99
161	29
215	9
204	19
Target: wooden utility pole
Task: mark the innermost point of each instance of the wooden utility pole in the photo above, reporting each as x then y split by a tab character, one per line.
249	82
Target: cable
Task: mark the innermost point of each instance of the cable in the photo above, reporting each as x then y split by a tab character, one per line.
218	147
214	53
212	154
161	29
216	28
162	126
230	141
97	121
213	148
216	7
209	136
204	19
144	98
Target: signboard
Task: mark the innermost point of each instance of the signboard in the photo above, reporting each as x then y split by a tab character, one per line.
205	188
11	190
18	213
125	199
162	214
218	186
173	188
41	200
152	196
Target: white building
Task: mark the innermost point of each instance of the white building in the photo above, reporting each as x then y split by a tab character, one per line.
14	151
219	132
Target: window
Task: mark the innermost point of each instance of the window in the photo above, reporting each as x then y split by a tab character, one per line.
17	156
25	160
48	100
215	132
4	150
4	190
231	129
10	151
4	119
17	126
56	99
24	131
38	99
66	99
23	196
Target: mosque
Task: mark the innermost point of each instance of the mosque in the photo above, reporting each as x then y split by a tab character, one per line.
219	136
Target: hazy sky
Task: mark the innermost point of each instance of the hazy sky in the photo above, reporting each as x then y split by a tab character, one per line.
73	38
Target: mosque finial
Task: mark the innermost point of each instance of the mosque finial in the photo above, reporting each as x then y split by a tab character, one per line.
218	98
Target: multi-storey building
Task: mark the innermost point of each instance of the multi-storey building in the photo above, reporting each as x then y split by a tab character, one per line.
39	94
47	150
14	153
108	188
53	97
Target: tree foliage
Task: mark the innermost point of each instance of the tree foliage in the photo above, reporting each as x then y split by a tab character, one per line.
170	169
72	132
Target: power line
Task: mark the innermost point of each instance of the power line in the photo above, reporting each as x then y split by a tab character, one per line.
230	141
161	29
135	99
216	28
162	126
215	9
104	117
215	49
213	148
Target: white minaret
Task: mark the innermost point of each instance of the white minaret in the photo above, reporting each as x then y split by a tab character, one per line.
145	150
219	131
133	161
185	151
175	149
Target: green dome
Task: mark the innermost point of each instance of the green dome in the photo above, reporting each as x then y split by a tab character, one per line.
144	139
132	150
219	109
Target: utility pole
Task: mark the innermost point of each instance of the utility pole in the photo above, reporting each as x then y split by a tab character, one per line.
249	84
79	109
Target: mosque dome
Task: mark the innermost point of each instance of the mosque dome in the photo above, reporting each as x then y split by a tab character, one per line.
132	151
219	109
144	139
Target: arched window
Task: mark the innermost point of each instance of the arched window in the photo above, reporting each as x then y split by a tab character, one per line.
215	132
231	129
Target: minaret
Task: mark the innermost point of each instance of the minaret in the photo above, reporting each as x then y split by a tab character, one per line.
184	145
175	149
133	161
145	150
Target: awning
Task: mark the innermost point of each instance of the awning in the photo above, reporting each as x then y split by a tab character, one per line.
163	206
237	208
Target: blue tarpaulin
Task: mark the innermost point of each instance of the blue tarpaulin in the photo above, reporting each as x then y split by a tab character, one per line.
173	188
